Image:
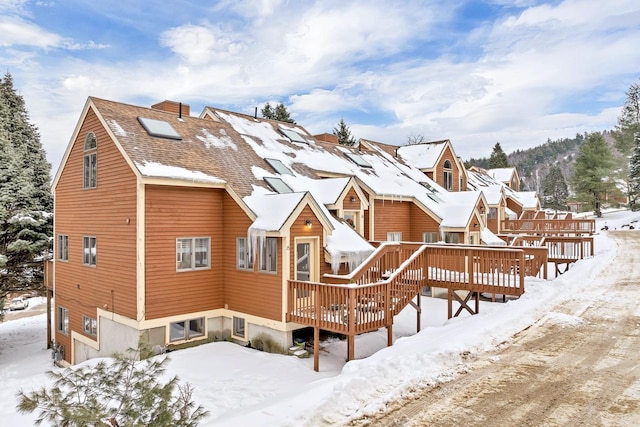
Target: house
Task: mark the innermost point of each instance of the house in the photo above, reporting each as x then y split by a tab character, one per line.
507	176
172	229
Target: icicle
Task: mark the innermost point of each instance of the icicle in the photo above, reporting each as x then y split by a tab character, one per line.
256	238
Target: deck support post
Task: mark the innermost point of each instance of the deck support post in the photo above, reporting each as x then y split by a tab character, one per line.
390	335
350	347
316	349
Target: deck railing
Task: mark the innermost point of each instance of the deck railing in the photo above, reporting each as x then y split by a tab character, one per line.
549	226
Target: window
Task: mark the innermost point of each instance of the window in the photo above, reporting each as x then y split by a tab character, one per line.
192	253
89	250
244	260
89	325
394	236
293	135
159	128
238	327
279	167
269	255
430	237
62	324
493	213
452	237
278	185
63	247
447	176
358	160
351	218
186	329
90	159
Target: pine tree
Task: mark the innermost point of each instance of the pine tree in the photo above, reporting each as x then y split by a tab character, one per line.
593	172
629	121
555	190
634	175
26	222
279	113
344	134
126	392
498	158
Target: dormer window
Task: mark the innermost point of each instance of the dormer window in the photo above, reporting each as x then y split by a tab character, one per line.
447	176
90	161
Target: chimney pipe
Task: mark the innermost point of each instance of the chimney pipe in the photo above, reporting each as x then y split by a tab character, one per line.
180	111
255	115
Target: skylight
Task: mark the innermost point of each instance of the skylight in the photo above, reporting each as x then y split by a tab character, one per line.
159	128
278	185
428	186
279	167
358	160
434	197
293	135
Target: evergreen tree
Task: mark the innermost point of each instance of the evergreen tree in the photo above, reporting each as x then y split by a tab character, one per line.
26	222
344	134
278	113
498	158
629	121
593	170
634	175
555	191
126	392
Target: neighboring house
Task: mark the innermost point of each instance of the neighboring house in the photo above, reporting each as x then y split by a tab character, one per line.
437	160
171	228
507	176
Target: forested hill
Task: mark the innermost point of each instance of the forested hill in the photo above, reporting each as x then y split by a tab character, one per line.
532	164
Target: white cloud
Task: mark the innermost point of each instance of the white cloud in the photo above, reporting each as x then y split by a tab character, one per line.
16	31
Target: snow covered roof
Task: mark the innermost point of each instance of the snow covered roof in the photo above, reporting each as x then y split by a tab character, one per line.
502	174
424	155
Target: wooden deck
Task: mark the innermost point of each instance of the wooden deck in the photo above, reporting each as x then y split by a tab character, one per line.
549	227
394	276
563	251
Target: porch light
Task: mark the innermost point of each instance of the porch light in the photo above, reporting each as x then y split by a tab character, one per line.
475	225
308	223
352	199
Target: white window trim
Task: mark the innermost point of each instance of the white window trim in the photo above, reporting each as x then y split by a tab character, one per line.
179	254
93	261
394	236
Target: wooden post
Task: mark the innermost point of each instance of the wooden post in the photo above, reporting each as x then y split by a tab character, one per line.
316	348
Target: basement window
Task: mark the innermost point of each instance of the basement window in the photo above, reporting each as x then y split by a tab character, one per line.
159	128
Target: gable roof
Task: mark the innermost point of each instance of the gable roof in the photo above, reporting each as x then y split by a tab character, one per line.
426	155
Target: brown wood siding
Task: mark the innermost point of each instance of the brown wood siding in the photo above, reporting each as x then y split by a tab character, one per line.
514	207
348	205
107	212
171	213
455	172
250	292
420	222
392	216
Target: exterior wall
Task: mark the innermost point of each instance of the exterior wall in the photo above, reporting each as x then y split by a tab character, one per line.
514	206
171	213
251	292
448	154
114	338
420	223
392	216
107	212
299	229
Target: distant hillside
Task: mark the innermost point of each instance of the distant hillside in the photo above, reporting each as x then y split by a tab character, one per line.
532	164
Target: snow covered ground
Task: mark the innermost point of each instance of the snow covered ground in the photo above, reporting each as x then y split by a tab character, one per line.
241	386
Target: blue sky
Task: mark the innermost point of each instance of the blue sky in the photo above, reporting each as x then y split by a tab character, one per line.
515	72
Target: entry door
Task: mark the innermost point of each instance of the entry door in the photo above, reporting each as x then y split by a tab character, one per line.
306	264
